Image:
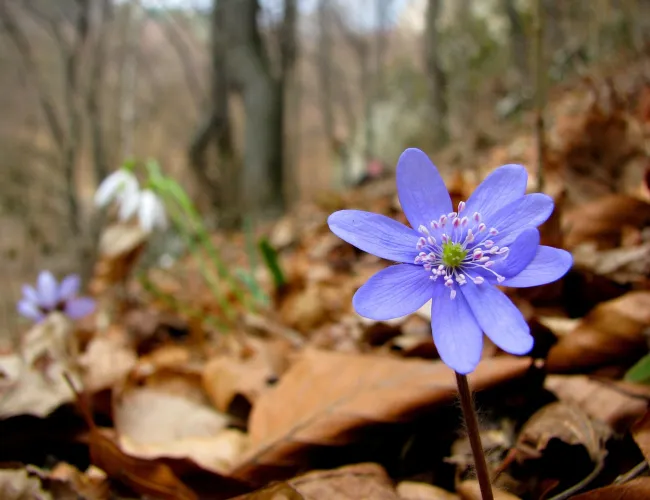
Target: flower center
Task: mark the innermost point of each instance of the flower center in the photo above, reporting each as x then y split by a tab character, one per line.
458	248
453	254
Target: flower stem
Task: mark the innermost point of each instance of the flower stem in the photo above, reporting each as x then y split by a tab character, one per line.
469	412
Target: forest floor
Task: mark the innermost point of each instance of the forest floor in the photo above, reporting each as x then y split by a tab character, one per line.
301	398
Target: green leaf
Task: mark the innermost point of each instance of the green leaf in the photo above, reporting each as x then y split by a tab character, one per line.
640	372
270	256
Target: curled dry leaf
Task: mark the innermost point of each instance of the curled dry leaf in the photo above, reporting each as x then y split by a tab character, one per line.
351	482
471	490
601	401
612	332
634	490
33	380
630	264
410	490
107	360
604	220
566	422
326	395
641	433
120	246
152	424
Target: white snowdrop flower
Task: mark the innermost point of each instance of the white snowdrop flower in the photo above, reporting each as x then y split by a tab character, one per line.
129	203
151	211
119	184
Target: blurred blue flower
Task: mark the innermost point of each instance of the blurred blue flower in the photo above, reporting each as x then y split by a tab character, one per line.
456	258
48	296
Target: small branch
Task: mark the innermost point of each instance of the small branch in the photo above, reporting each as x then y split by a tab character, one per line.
471	421
636	471
582	484
540	90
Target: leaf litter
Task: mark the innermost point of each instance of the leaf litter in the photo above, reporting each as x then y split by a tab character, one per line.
304	399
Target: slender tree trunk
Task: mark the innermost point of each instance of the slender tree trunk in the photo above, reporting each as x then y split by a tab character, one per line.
518	40
129	80
436	78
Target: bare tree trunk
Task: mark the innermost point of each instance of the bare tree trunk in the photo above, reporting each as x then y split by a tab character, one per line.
518	40
129	80
436	78
262	180
215	129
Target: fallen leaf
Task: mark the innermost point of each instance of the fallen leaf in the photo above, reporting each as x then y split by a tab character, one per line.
623	265
279	491
152	424
66	482
107	360
410	490
601	401
18	484
33	382
612	332
565	422
633	490
603	220
641	434
471	490
147	477
326	395
352	482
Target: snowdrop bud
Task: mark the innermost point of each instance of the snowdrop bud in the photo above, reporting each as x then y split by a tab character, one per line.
119	183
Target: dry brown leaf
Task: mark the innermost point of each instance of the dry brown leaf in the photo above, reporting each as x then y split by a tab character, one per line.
147	477
120	246
18	484
107	360
630	264
566	422
636	489
352	482
471	490
152	424
612	332
603	220
33	382
599	400
641	433
410	490
66	482
325	395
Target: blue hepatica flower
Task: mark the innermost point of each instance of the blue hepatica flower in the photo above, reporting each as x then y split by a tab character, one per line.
456	258
49	296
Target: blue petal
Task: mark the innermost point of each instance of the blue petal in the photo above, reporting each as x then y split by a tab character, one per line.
503	186
421	190
530	210
47	289
29	310
522	252
79	307
394	292
375	234
69	287
498	317
548	265
457	335
29	293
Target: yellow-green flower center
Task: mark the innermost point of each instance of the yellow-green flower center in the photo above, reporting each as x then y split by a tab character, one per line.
453	254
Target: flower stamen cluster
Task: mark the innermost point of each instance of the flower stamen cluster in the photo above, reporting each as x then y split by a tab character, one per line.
457	248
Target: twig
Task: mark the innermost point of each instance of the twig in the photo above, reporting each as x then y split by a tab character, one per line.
637	470
579	486
471	421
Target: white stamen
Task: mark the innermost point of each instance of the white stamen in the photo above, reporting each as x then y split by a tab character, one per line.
493	231
464	221
452	294
434	225
488	243
482	227
423	229
431	240
421	243
452	215
500	279
443	220
477	217
479	280
461	206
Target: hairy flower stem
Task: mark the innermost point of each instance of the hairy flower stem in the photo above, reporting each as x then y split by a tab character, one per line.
469	412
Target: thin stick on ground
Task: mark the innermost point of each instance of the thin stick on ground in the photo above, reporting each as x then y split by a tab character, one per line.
469	412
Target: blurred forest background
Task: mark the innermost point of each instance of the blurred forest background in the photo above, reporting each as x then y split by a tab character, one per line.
256	105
